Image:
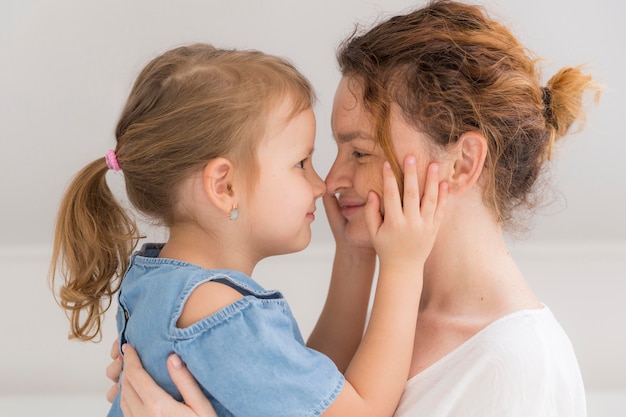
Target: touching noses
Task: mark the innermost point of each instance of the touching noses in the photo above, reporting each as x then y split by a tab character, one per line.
319	187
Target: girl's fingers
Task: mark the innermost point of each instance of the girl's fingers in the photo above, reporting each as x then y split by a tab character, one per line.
442	202
411	198
391	194
430	199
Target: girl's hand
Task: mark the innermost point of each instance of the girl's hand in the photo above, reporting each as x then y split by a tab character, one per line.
407	232
142	397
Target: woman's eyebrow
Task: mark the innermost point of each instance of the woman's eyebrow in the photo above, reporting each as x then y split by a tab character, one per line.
350	136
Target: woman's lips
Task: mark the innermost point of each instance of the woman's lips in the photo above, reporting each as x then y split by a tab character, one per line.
349	208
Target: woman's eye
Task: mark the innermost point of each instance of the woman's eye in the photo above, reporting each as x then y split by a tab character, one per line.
358	155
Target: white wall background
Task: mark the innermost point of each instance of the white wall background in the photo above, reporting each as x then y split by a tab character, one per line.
66	68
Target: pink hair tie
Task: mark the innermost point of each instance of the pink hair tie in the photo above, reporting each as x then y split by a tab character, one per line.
112	160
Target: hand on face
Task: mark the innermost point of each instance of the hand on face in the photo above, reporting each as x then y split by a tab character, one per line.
407	231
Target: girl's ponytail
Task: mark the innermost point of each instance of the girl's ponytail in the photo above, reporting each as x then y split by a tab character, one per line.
187	107
93	240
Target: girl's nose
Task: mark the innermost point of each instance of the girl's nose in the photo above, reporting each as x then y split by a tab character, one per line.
319	186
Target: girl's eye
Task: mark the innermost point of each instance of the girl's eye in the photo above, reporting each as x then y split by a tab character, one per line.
301	164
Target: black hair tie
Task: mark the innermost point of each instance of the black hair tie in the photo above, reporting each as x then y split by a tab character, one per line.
546	96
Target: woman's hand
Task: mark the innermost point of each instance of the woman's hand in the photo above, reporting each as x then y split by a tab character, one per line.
114	370
338	227
142	397
339	329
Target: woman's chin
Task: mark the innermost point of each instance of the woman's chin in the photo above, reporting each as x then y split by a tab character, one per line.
358	235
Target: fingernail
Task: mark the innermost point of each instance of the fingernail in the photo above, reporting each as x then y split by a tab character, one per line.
410	160
124	348
387	165
176	361
435	168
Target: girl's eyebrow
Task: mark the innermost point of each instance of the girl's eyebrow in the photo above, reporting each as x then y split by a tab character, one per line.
308	152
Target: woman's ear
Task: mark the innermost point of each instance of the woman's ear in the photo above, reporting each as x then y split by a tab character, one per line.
469	153
218	184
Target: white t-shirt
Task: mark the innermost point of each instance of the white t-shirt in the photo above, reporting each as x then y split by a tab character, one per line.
521	365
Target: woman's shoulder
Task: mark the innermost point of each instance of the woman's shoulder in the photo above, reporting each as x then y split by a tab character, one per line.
522	342
523	334
521	364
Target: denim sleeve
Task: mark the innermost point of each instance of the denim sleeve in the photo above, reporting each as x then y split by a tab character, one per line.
250	359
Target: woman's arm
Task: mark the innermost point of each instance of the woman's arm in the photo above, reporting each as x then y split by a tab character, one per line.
340	327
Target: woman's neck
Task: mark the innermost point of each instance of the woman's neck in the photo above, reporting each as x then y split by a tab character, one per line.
471	272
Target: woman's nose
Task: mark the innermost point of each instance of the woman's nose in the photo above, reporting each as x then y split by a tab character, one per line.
337	178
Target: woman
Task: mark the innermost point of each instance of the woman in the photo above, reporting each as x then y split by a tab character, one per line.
449	84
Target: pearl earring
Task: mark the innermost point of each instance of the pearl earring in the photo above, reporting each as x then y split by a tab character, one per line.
234	213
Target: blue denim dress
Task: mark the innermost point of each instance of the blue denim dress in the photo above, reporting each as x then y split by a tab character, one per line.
249	357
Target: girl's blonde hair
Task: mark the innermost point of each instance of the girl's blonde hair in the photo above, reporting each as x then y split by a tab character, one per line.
187	106
452	69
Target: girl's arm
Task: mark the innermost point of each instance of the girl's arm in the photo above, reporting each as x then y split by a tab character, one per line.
376	376
340	327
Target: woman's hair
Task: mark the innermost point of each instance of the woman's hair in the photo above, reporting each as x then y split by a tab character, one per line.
452	69
187	106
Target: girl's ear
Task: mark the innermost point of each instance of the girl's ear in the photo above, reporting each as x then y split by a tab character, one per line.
469	153
218	184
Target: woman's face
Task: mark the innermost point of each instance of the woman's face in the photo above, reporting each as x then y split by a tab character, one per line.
358	166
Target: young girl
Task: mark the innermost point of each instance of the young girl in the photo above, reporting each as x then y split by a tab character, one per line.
216	145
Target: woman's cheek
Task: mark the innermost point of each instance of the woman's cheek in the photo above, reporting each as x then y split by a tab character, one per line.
372	177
